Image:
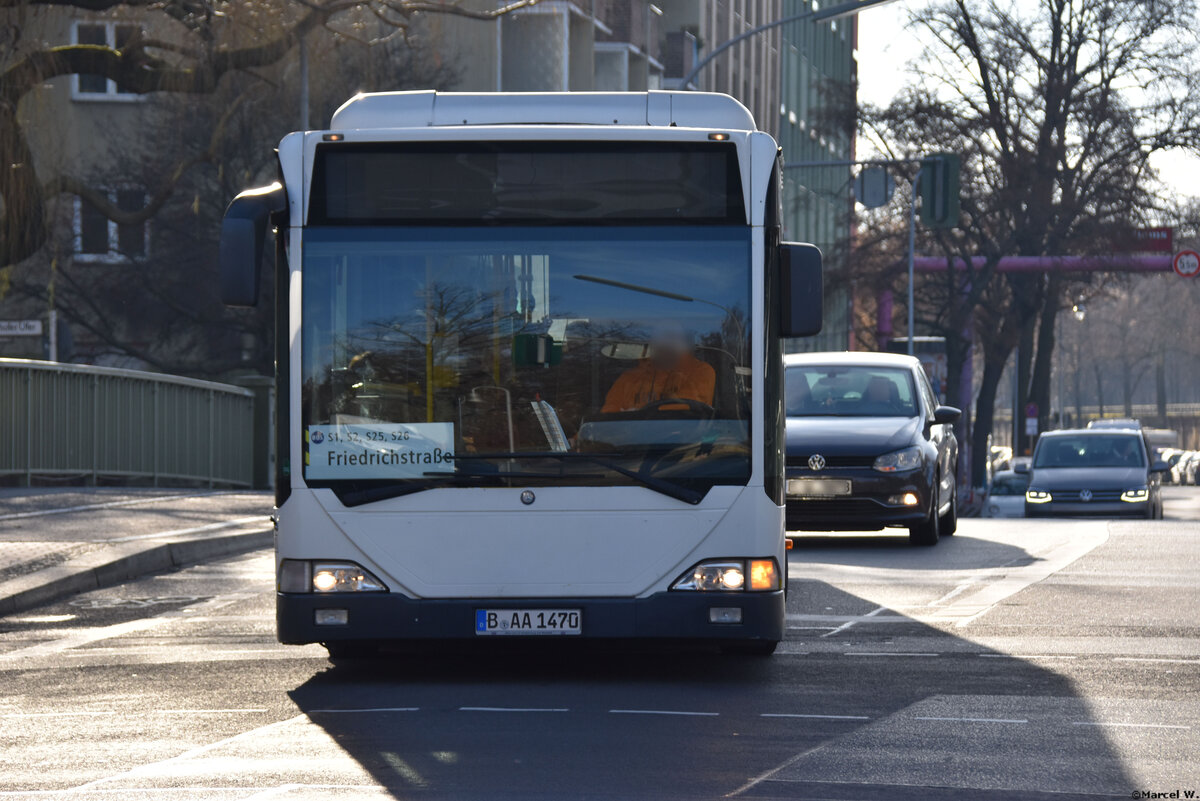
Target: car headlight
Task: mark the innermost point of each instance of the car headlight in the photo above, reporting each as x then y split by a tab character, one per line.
301	575
729	575
1139	495
899	461
1038	496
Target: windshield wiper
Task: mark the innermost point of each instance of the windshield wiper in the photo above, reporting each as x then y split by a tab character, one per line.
650	482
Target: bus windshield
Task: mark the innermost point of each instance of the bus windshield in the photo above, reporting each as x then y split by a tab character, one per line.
526	356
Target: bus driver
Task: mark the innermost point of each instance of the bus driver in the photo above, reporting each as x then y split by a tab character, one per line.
670	371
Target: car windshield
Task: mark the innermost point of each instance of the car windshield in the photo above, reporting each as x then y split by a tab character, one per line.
472	355
1090	450
849	391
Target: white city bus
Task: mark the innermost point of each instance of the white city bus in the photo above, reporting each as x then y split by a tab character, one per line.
529	368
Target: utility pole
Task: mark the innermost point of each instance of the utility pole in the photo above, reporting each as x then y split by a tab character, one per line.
834	12
303	48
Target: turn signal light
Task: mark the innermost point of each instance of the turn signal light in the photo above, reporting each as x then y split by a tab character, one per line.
763	574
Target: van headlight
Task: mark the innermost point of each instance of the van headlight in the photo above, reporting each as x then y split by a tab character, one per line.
1139	495
899	461
730	575
1038	496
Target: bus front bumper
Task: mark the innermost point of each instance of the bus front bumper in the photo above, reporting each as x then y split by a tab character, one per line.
665	615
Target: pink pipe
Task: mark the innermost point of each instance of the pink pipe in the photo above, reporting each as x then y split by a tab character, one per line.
1036	264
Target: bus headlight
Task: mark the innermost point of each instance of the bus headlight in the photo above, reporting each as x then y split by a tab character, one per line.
1038	496
344	577
1139	495
301	575
725	575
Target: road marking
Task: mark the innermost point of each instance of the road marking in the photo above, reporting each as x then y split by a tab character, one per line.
193	752
1156	659
1130	725
182	532
404	770
126	713
887	653
510	709
662	712
366	710
42	619
954	593
814	717
89	507
972	720
850	623
1025	656
208	791
87	636
787	763
1079	540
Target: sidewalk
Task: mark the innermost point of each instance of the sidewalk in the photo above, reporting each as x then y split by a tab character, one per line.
55	543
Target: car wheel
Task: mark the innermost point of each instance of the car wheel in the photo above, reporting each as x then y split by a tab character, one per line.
949	522
926	532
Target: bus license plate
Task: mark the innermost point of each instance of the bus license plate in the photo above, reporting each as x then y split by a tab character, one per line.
526	622
817	487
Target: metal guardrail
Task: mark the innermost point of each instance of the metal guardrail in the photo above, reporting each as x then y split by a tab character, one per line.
92	422
1117	410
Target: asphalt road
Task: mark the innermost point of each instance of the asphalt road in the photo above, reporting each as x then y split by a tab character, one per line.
1019	659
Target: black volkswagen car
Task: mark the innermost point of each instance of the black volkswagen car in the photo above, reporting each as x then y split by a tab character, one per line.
1101	472
868	446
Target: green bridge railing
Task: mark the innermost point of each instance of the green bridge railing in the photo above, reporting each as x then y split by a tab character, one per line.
71	420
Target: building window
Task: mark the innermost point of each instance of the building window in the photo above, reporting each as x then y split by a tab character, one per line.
98	238
105	34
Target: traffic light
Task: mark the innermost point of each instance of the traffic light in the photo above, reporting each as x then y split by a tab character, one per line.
940	190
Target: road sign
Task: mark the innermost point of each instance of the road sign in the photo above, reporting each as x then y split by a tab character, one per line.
874	186
20	328
1186	263
1031	426
1031	410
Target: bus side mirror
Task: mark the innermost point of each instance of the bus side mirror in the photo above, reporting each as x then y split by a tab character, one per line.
243	232
802	301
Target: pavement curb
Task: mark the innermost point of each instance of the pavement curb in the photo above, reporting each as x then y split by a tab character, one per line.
121	562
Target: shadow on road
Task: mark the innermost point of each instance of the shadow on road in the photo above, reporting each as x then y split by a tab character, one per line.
533	721
879	549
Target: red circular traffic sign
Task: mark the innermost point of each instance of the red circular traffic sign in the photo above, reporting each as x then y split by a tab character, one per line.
1186	263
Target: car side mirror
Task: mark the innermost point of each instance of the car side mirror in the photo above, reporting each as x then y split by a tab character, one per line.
1160	467
1021	469
243	232
945	415
802	301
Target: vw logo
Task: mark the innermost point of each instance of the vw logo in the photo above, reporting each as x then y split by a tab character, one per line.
816	462
1085	496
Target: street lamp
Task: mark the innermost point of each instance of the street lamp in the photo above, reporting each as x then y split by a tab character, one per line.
834	12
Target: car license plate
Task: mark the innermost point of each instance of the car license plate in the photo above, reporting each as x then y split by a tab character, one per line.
817	487
526	622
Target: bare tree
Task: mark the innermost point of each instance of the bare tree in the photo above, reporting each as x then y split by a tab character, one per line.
210	40
161	308
1056	108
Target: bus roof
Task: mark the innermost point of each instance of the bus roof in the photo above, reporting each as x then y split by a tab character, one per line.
422	109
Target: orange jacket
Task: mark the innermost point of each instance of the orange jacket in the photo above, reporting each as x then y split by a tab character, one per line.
691	379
